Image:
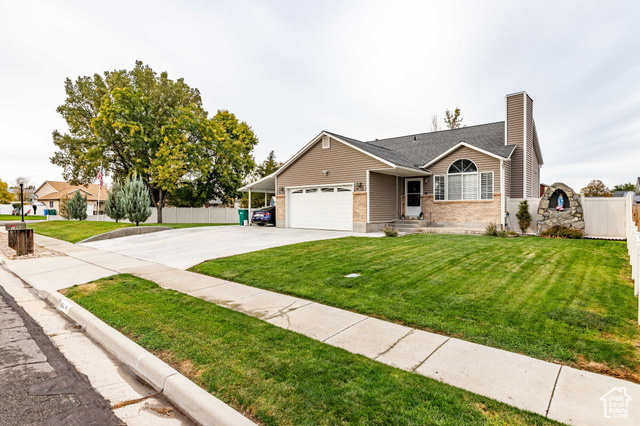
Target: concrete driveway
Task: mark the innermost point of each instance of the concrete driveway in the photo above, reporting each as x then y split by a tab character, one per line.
183	248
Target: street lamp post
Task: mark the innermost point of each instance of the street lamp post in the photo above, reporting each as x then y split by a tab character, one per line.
22	201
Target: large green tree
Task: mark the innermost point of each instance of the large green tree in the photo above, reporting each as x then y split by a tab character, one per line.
140	123
624	187
231	163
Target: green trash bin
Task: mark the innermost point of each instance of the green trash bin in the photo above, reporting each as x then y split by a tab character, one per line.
244	215
52	212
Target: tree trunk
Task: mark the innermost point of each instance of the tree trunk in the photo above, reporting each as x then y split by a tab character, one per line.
160	205
157	201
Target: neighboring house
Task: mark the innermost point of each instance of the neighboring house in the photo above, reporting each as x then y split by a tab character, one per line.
50	193
461	176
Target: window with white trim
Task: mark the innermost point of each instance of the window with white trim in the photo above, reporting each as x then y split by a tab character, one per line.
326	142
462	181
486	186
438	188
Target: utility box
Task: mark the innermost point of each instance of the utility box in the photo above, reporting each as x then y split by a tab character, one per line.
21	240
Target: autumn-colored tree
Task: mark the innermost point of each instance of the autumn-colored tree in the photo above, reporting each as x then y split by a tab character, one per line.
596	188
453	121
63	207
140	123
28	190
6	196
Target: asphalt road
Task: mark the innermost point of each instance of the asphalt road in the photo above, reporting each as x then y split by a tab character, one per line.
38	385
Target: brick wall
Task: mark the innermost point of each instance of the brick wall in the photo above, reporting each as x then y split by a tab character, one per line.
280	210
359	207
482	211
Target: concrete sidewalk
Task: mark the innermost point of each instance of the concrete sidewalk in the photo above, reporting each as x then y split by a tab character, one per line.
133	402
558	392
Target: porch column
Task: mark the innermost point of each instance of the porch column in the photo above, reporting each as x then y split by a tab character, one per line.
249	207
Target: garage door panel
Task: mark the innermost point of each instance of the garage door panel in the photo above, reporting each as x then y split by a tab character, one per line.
327	207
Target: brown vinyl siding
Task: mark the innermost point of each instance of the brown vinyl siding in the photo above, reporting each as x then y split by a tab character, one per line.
383	203
535	165
484	163
344	164
530	151
515	135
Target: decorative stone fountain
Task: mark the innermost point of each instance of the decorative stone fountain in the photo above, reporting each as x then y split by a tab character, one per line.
560	205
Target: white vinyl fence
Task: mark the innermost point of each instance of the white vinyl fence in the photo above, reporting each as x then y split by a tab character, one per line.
186	215
603	216
606	216
513	205
633	246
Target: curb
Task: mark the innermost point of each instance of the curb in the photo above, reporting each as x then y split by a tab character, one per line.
125	232
197	403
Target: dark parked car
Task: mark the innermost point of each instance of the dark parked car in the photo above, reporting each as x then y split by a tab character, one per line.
264	216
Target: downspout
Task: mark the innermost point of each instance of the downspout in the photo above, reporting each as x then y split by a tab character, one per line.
397	194
503	198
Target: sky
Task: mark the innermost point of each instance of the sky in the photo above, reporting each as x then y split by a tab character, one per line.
363	69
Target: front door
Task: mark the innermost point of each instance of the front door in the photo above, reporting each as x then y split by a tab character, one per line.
413	199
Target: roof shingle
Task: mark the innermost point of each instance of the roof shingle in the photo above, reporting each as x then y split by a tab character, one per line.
414	151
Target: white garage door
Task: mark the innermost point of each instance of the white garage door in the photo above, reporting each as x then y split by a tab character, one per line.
326	207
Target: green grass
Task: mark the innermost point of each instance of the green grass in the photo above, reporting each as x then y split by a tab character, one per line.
568	301
74	231
278	376
7	217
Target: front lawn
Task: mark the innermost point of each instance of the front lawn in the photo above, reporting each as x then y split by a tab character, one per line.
8	217
569	301
74	230
278	376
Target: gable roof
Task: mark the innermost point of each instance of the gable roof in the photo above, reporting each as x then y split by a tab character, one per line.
416	152
390	155
423	148
65	188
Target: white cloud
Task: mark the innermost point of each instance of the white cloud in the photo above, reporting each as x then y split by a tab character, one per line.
367	69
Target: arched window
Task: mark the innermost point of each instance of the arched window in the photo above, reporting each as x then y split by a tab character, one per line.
462	166
462	179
